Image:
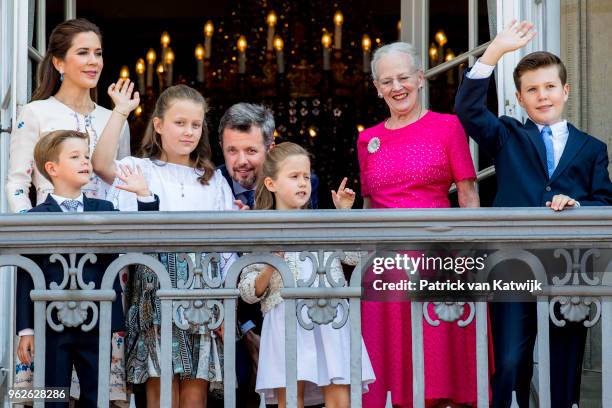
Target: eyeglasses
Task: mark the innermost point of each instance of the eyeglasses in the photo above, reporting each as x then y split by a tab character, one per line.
403	80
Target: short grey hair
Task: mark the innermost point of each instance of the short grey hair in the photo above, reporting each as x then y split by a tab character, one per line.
396	48
243	116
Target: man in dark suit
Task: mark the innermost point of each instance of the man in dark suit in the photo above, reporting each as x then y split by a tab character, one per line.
542	162
63	157
246	134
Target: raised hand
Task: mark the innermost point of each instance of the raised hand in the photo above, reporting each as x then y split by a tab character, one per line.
514	36
134	181
344	198
121	94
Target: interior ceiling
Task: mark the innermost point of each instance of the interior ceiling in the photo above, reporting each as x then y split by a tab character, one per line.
186	8
153	9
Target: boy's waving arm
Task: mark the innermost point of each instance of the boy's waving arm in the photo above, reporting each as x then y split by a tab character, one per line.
470	102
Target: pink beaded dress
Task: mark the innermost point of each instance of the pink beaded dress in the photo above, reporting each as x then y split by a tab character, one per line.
414	167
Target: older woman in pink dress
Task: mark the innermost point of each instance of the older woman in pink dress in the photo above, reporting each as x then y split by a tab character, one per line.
410	161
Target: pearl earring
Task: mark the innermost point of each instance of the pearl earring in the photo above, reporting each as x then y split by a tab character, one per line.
61	77
380	95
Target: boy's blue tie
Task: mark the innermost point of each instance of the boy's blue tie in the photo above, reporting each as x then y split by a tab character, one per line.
550	154
249	195
71	205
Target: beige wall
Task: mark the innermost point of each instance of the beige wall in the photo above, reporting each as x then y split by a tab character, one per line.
586	47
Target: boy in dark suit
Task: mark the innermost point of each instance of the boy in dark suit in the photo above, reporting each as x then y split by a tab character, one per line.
63	157
543	162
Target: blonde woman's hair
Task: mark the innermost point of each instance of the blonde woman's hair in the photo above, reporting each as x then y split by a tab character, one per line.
264	198
151	146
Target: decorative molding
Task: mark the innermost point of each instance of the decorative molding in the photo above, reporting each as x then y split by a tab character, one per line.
575	309
72	313
449	312
322	311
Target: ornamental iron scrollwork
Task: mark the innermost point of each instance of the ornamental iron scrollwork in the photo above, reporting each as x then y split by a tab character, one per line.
576	266
322	267
323	310
197	278
199	314
449	312
72	313
575	308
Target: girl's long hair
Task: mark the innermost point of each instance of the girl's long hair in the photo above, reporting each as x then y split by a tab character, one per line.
264	198
47	77
151	145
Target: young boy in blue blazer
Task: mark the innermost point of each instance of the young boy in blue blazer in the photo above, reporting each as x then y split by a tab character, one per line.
63	157
545	161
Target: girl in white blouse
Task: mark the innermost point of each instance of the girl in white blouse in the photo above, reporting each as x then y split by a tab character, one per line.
176	164
67	78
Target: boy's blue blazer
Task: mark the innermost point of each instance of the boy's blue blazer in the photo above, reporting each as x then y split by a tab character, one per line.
54	271
522	181
520	156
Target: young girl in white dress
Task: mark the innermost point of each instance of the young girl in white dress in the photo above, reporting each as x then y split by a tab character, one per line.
178	168
323	357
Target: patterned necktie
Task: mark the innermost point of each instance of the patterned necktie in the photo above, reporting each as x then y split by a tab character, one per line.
546	134
71	205
249	195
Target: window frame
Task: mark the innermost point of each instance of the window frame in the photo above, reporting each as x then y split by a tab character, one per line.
546	15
